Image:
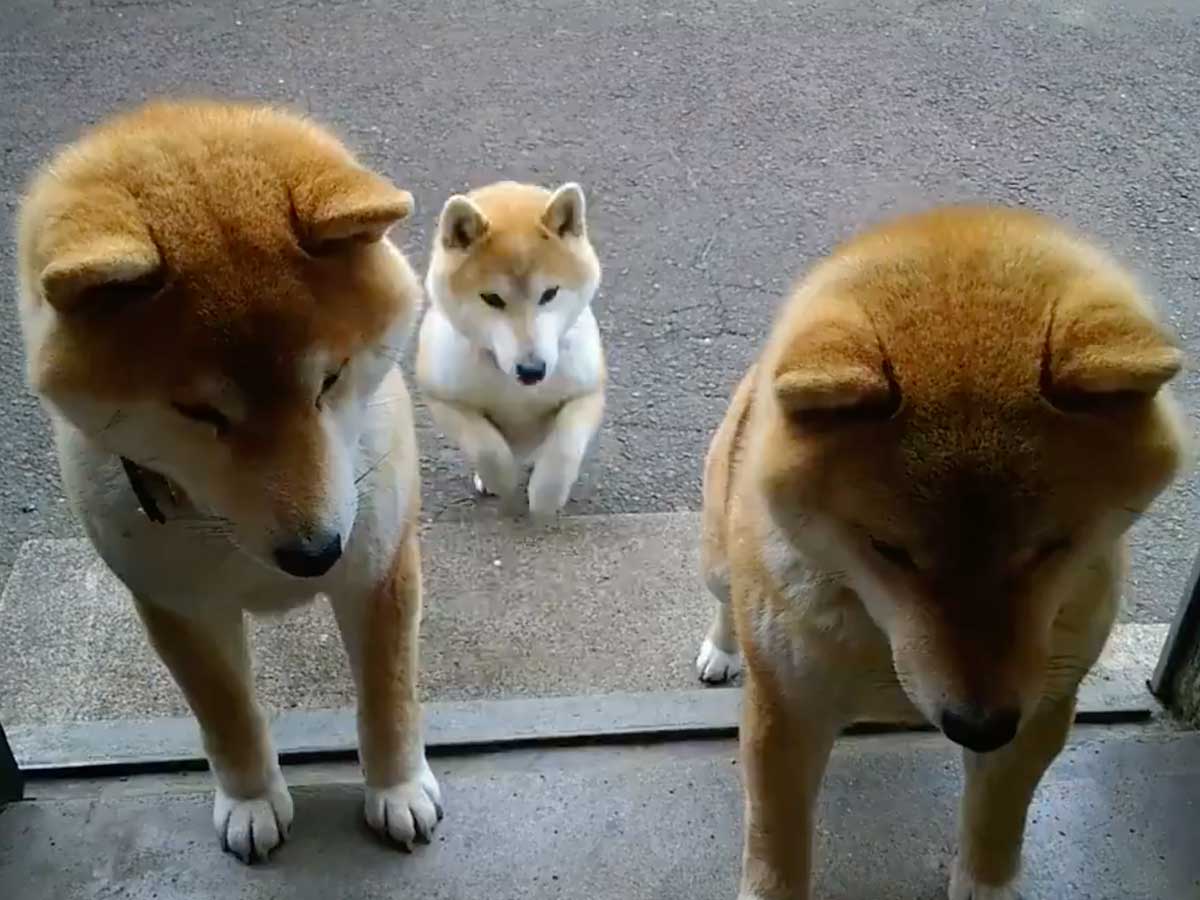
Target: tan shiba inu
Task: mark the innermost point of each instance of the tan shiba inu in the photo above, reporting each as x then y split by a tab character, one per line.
211	311
509	358
915	507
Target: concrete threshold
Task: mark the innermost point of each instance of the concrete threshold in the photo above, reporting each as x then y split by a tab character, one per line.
468	726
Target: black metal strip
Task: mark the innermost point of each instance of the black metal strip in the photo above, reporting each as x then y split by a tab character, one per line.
12	783
479	744
1182	640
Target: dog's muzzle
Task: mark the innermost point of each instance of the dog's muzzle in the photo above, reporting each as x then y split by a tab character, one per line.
981	731
311	557
531	371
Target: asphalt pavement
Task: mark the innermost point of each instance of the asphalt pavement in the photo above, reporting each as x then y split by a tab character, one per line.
723	147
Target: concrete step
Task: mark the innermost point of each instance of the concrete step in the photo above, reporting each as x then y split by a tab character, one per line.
1114	819
600	605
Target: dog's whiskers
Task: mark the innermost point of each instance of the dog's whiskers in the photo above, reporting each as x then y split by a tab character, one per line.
116	418
207	527
384	401
394	355
214	526
375	465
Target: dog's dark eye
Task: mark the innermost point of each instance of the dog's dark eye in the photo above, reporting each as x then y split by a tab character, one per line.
205	414
548	294
1051	548
897	556
493	300
329	381
332	378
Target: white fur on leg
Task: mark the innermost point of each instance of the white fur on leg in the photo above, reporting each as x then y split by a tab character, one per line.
550	485
250	828
496	469
714	665
547	495
406	811
561	454
480	487
963	887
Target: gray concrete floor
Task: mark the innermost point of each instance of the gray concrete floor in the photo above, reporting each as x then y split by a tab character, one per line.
599	605
724	145
1114	820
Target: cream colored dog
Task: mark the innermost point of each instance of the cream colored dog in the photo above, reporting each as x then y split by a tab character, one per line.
915	507
211	312
509	360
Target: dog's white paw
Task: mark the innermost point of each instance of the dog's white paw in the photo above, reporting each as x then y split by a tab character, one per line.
714	665
964	887
480	488
548	493
406	811
496	473
251	828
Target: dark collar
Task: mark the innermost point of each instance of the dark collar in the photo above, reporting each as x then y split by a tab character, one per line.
144	482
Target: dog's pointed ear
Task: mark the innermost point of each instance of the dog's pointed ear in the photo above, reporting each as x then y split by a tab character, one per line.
94	249
461	223
566	213
345	205
1103	349
833	369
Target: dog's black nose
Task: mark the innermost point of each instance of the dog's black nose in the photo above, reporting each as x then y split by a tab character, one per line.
531	372
309	558
980	730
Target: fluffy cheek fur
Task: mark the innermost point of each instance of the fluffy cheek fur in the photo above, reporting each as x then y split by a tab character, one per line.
964	650
500	340
942	665
263	498
551	323
549	326
288	492
947	651
516	333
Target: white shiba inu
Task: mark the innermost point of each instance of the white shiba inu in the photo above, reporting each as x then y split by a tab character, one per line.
509	358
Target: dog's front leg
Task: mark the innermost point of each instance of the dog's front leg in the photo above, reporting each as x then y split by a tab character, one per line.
209	661
561	454
380	631
491	459
999	788
785	744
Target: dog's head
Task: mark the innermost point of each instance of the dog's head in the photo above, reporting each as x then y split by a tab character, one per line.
965	412
208	291
512	269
